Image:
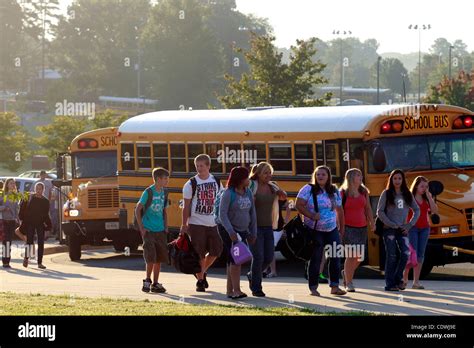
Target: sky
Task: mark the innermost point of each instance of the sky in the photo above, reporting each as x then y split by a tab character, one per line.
385	21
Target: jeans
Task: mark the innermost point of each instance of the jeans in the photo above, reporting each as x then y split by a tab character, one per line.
397	253
322	239
419	240
9	226
30	239
263	253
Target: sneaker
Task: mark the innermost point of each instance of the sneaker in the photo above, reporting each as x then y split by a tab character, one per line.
41	266
350	287
200	287
146	285
258	293
25	262
314	292
157	287
402	286
206	284
393	288
7	266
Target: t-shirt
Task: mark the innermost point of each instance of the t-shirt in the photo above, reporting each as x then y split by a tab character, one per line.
354	210
153	220
422	221
327	221
202	205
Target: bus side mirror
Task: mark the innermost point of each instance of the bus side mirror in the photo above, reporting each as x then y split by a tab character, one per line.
380	162
435	187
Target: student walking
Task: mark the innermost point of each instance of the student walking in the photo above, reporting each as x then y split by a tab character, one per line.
153	225
9	208
324	225
198	221
419	234
266	194
357	216
238	218
36	218
394	203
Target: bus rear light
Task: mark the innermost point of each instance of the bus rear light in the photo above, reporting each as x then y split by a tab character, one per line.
463	122
391	127
88	144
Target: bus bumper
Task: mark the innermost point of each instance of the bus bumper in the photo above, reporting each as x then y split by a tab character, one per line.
94	231
452	250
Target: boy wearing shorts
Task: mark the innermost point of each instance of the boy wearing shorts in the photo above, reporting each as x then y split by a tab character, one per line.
153	226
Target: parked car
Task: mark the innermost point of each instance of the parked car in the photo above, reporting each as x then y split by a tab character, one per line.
36	174
22	184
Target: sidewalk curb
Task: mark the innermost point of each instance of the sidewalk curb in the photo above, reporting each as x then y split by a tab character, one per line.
63	248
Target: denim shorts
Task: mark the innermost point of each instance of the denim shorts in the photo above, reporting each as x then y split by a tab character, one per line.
419	240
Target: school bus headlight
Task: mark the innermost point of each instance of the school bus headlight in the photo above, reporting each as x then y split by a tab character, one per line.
73	212
449	229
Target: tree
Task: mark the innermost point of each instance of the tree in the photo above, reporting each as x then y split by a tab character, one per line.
458	91
107	119
391	71
184	58
99	45
58	135
15	141
271	82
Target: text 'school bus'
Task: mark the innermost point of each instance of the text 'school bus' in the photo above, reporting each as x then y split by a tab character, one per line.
90	215
436	141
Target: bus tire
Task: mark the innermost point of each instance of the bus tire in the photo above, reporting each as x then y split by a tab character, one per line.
133	247
74	246
426	270
119	246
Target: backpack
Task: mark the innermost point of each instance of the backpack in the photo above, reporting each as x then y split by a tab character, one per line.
149	200
217	201
182	255
298	235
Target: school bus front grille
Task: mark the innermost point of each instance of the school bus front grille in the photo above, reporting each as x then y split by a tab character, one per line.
103	198
470	218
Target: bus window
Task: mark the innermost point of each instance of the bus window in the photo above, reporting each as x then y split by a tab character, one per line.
233	156
319	154
127	155
193	151
280	157
356	155
178	157
160	155
254	150
304	158
332	157
144	156
212	151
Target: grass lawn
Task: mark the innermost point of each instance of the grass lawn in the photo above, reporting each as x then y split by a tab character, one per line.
36	304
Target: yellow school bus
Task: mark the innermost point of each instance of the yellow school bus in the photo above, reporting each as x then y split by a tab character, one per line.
90	214
436	141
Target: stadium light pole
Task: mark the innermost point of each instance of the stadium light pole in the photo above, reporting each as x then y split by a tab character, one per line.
419	27
341	34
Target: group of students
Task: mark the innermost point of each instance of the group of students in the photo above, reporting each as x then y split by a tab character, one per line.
27	216
250	210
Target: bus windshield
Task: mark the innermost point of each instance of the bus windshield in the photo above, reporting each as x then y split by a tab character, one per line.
427	152
94	164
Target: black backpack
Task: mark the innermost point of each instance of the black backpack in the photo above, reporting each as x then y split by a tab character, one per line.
298	235
149	200
183	257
